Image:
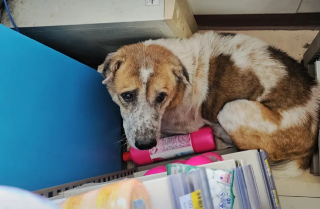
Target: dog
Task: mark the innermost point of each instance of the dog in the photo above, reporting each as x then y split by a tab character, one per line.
248	91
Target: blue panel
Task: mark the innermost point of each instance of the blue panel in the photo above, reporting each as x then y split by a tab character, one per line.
58	123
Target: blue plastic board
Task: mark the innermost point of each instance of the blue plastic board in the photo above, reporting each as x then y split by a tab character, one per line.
58	123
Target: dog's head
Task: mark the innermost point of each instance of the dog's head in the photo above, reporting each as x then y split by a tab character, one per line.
144	80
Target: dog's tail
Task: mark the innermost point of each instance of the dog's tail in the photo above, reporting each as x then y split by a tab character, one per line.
289	168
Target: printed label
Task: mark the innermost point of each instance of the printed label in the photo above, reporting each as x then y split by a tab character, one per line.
152	2
275	196
192	201
139	204
107	195
186	202
171	147
197	199
268	167
221	194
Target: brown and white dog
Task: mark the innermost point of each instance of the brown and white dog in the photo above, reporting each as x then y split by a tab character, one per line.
245	89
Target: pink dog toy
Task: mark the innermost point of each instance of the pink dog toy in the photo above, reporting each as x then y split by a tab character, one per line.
161	169
205	158
175	146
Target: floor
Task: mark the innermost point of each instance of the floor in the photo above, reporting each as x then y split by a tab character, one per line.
303	191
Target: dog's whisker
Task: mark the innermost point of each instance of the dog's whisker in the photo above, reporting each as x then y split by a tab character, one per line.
124	145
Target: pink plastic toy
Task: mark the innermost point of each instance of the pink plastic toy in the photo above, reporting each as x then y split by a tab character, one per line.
196	142
205	158
180	161
159	169
198	160
213	156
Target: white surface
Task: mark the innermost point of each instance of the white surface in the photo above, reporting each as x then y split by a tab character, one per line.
73	12
139	174
309	6
305	185
243	6
185	200
300	192
299	203
161	196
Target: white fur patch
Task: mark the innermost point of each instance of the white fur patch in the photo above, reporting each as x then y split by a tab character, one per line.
145	74
251	54
285	170
246	114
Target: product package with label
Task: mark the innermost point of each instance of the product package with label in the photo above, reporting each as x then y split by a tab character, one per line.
190	190
220	184
125	194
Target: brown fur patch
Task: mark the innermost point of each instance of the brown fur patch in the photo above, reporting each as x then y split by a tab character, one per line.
227	83
127	78
294	89
291	143
268	115
166	67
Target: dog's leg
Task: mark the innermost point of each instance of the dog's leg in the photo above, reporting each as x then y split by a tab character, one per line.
246	121
251	125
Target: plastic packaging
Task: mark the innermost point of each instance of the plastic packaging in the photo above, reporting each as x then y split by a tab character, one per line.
191	190
204	158
126	194
198	160
161	169
174	146
215	157
14	198
220	183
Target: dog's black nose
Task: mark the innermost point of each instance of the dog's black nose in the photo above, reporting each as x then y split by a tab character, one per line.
143	146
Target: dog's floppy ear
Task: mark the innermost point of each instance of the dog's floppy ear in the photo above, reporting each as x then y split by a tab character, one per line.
109	67
181	73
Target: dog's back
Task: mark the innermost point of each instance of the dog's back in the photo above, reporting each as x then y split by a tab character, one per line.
244	88
262	97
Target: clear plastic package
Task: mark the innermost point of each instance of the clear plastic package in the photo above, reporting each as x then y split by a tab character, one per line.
191	190
220	183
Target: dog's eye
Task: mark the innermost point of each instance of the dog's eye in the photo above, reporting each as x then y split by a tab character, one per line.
127	96
161	97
